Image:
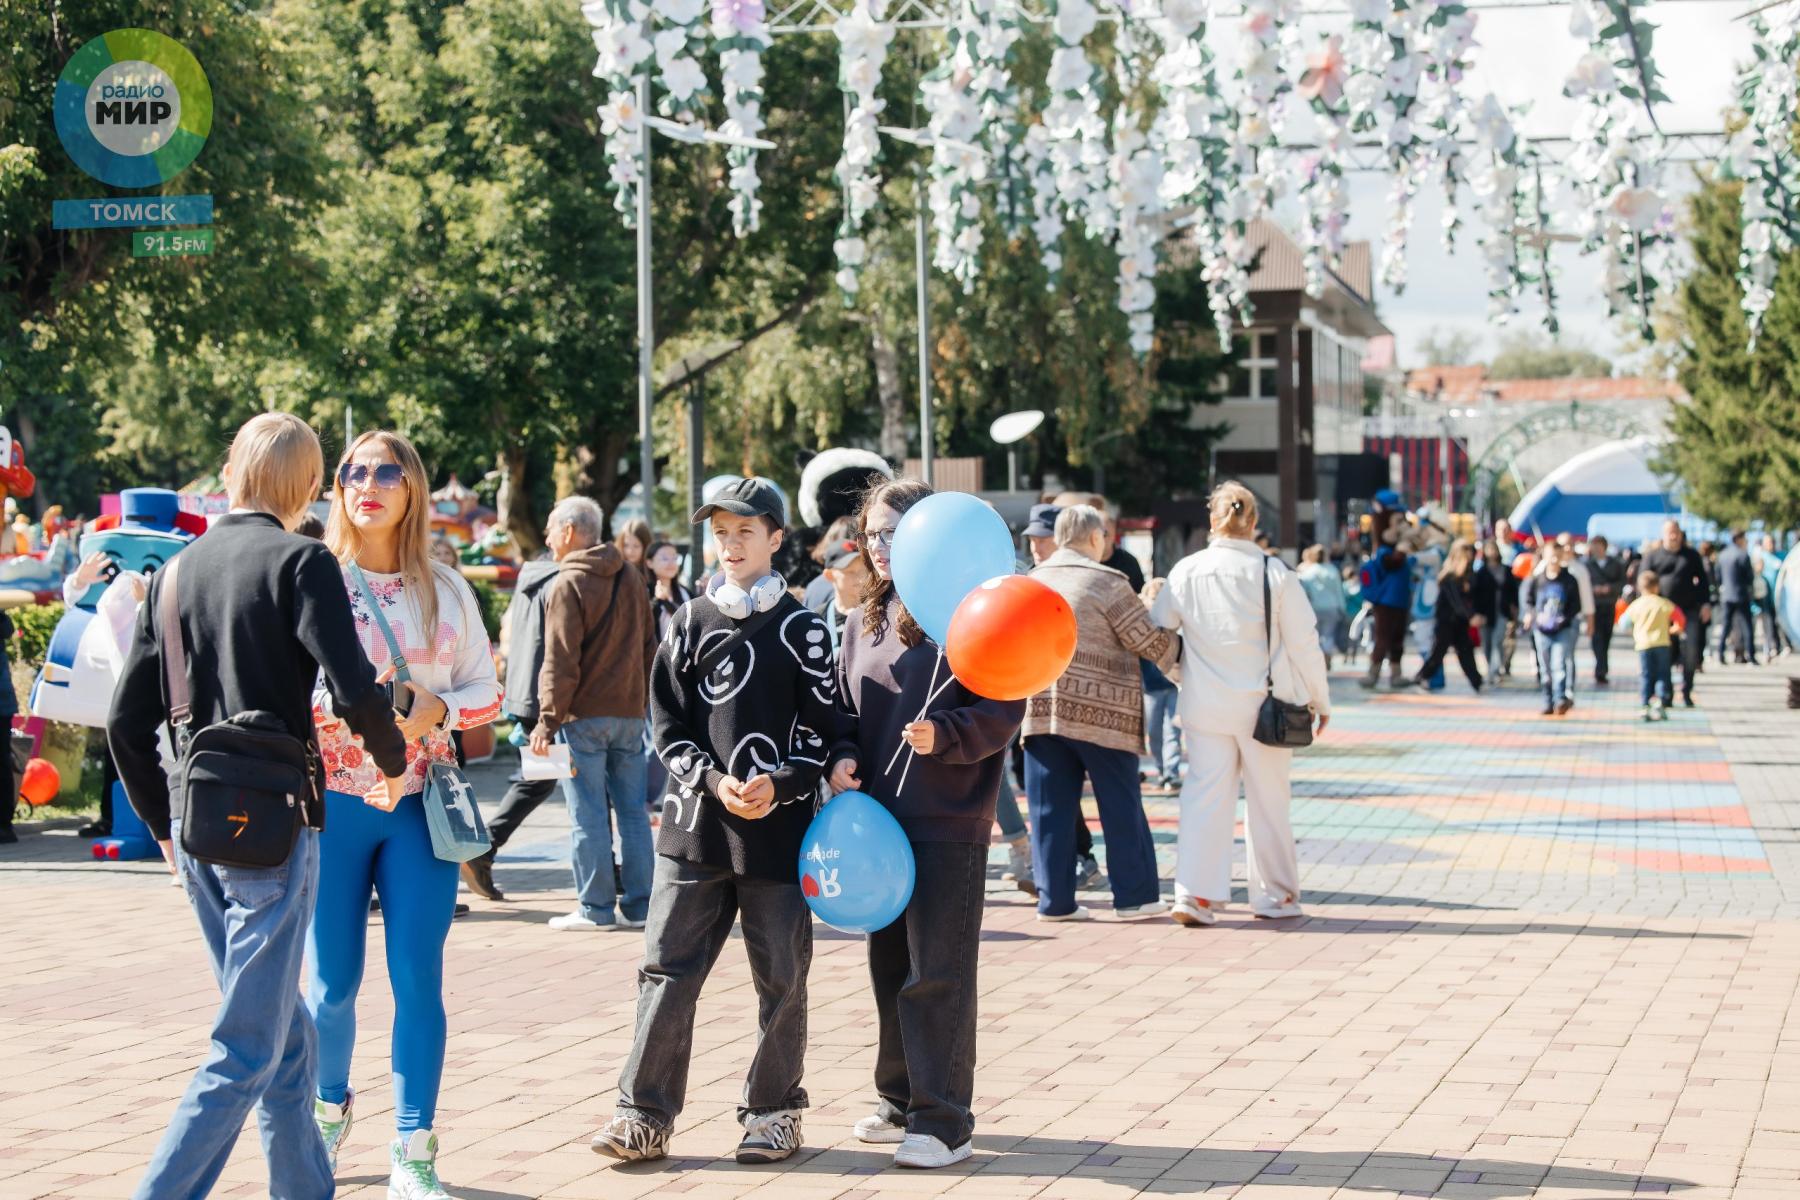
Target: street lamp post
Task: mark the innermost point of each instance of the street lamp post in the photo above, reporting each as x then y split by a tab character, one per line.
921	271
690	134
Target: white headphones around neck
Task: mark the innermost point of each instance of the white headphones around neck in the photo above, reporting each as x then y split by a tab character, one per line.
737	603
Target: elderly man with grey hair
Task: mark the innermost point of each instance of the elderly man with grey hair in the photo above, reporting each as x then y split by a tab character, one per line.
593	691
1090	724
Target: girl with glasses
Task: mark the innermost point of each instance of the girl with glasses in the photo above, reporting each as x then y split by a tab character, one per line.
380	531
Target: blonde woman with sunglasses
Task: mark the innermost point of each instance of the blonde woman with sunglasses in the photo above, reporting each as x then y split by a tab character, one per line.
380	529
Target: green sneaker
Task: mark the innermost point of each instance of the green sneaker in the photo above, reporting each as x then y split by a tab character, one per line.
412	1173
334	1122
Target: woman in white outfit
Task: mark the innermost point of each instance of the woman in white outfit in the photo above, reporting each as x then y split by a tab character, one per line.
1215	598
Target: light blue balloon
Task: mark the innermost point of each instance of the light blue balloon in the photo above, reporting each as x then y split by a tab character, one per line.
856	864
947	545
1787	595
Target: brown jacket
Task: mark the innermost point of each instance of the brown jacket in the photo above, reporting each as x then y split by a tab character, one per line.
599	641
1100	698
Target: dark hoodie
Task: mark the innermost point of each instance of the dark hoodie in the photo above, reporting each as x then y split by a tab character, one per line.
599	641
949	794
525	637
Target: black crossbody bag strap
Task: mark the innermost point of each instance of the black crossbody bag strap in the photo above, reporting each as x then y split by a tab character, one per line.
174	648
748	628
1268	632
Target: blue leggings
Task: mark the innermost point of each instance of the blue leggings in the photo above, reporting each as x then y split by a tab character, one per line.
361	849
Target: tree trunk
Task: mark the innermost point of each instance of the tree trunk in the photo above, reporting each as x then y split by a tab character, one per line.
887	387
513	502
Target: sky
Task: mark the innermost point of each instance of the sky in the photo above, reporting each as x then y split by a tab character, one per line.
1523	55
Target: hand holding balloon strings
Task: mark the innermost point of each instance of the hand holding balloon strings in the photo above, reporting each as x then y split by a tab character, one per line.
933	691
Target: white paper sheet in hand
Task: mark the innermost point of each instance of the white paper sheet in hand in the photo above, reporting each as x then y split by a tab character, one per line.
554	765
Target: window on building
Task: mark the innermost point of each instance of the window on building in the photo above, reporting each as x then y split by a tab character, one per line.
1253	375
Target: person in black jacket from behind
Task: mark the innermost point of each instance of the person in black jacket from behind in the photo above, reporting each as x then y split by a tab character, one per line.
1458	609
1687	585
262	612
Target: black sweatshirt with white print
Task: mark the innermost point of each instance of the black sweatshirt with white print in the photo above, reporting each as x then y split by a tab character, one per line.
768	708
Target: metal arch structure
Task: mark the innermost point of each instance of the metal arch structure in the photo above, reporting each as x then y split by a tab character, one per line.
1503	452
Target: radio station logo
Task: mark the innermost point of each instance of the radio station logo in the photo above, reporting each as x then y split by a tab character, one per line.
133	108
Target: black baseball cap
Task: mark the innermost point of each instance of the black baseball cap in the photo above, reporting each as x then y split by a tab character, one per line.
1043	520
746	498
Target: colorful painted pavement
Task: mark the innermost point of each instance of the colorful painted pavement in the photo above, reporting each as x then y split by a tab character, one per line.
1477	799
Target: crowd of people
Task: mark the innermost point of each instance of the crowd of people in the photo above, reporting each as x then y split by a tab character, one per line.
706	725
1484	601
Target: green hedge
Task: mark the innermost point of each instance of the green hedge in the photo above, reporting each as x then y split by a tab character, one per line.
34	623
493	606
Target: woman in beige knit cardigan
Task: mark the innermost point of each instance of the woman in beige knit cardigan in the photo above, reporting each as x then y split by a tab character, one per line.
1090	724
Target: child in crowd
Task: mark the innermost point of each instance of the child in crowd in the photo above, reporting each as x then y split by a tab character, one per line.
743	703
1649	618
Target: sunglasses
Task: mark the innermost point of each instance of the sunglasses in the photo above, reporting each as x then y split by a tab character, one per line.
388	476
879	537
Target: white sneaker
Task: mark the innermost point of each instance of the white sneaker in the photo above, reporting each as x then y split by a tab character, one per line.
412	1171
334	1122
1142	912
1080	914
625	922
1187	911
924	1152
576	920
1280	913
879	1131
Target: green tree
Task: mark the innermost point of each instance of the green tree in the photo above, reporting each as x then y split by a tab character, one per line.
1448	348
1529	354
79	315
1736	443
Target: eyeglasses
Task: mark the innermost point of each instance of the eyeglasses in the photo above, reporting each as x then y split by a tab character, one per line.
388	476
879	537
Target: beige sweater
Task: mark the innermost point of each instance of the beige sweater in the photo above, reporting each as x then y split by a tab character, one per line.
1100	698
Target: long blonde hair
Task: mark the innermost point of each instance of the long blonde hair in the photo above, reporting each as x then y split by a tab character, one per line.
413	542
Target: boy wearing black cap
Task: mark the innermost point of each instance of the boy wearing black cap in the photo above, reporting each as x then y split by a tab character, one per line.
743	704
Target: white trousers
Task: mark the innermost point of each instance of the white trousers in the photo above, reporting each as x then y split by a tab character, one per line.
1216	765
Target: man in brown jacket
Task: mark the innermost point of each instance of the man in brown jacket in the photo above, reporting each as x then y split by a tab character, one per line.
593	692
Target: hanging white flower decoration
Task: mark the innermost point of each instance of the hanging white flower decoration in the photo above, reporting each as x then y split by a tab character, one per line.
620	29
1323	197
958	166
1267	34
1761	154
1078	151
1616	171
862	49
680	43
741	34
1135	194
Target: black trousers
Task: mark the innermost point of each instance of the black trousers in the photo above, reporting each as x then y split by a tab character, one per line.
1693	645
1602	641
922	969
1390	638
1736	616
9	789
521	800
1445	637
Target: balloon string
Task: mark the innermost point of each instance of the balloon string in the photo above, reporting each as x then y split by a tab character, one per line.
933	690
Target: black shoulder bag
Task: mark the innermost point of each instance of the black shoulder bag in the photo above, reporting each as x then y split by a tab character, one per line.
246	781
1279	724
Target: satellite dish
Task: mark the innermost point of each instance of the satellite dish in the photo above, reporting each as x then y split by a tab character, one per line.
1013	426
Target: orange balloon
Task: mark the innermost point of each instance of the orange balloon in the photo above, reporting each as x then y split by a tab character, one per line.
1619	609
1523	565
1679	620
41	782
1012	637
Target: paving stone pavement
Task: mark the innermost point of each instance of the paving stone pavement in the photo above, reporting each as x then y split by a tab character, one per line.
1542	958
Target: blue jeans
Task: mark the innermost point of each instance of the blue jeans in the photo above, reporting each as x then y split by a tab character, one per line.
1164	735
608	756
364	849
1556	662
1054	769
263	1044
1655	667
